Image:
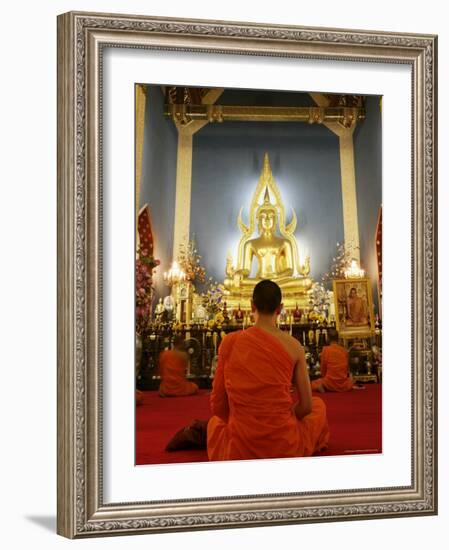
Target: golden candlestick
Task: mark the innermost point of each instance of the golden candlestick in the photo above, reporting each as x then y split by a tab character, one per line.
174	275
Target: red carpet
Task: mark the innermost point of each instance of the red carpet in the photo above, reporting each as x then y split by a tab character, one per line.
355	421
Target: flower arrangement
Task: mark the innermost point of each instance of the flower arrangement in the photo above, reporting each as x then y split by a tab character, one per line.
213	298
189	260
318	317
215	324
145	265
341	263
320	299
219	319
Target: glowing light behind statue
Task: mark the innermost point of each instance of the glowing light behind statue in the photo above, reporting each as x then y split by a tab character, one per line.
271	240
268	189
267	183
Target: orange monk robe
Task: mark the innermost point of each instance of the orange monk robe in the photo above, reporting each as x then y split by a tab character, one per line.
252	404
334	369
357	312
172	368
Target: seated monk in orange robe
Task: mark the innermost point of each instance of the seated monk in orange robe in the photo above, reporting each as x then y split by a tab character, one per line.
172	368
334	367
254	415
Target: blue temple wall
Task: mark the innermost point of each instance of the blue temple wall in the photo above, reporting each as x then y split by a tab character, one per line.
227	162
158	184
368	171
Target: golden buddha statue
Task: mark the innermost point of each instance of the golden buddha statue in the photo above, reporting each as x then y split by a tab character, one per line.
274	254
275	249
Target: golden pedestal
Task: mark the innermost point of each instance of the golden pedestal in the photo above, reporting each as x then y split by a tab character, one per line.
242	298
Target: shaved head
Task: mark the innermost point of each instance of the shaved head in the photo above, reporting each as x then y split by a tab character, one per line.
267	297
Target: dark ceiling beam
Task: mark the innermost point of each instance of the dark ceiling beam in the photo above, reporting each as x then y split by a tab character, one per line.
183	113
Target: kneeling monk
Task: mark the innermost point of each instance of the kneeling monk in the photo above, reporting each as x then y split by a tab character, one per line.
253	412
172	368
334	365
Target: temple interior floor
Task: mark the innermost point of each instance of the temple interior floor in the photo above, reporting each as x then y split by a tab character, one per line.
355	422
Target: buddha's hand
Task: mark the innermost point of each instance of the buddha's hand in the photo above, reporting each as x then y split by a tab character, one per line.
286	273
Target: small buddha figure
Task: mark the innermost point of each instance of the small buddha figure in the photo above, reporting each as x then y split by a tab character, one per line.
200	314
297	314
283	316
311	337
225	313
377	322
229	266
305	269
169	306
238	315
159	310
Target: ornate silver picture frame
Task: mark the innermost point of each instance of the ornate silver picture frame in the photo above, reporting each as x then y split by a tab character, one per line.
82	510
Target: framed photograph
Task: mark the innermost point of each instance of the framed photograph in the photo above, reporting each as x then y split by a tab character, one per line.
354	312
197	159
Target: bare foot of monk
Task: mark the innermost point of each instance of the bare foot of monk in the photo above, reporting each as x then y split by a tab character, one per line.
193	436
320	389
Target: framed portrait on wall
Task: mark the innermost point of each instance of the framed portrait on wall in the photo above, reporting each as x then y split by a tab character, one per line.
354	312
196	160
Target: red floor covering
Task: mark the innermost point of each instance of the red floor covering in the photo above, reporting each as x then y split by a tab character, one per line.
355	422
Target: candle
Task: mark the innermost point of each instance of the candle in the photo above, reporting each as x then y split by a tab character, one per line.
188	312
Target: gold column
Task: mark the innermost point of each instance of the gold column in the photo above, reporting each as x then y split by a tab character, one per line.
348	183
349	193
181	230
140	103
183	189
